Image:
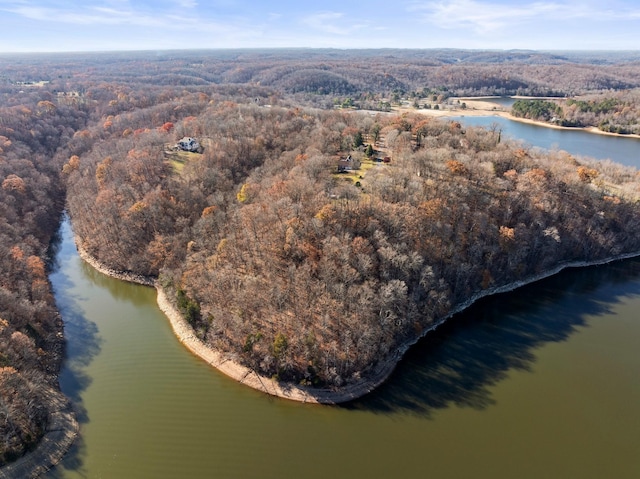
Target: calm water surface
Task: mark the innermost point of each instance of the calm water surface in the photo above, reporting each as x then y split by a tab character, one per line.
544	382
620	149
503	101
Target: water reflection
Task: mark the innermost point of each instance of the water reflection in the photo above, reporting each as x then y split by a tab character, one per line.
503	101
119	290
460	362
83	342
157	412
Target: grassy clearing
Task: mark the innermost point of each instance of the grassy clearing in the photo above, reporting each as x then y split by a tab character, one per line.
178	159
358	175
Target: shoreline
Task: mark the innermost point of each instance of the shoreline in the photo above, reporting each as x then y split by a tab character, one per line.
486	108
185	334
225	363
61	433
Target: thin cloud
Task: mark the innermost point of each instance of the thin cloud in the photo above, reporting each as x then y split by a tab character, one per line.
332	23
326	22
122	15
187	4
486	17
90	16
57	24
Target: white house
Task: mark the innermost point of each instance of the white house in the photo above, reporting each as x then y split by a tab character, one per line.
188	144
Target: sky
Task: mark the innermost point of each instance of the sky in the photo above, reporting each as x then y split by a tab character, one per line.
103	25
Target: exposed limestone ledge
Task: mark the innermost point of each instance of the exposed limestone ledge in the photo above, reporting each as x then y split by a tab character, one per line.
225	364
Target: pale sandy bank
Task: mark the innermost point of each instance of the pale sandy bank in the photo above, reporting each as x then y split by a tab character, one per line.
477	107
63	427
225	363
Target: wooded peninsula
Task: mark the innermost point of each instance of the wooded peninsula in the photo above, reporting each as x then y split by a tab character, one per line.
306	228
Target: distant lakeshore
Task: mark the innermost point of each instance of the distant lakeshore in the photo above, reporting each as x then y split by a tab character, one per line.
483	106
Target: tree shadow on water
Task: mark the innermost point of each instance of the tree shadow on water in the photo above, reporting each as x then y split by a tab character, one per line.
83	344
118	289
72	461
460	362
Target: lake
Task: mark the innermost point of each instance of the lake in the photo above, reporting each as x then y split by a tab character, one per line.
541	382
624	150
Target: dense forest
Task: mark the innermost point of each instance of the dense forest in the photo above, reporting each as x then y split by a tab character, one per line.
31	198
612	111
299	272
302	274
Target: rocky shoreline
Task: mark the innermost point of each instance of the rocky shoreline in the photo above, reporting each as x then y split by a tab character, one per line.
226	364
222	362
62	430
